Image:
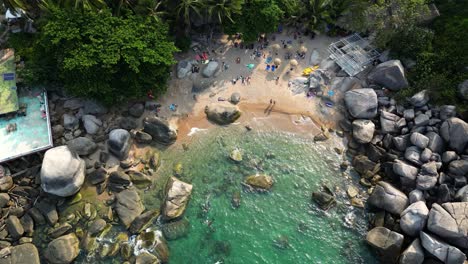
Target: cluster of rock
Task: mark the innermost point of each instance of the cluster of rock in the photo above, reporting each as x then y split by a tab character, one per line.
413	157
95	146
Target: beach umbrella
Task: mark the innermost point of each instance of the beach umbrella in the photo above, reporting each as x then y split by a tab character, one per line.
276	47
302	49
277	61
293	62
289	47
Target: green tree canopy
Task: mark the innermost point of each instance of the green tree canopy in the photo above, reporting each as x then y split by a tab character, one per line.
258	16
102	56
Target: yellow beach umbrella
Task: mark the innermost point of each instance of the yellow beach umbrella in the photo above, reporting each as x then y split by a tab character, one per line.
276	47
293	62
302	49
277	61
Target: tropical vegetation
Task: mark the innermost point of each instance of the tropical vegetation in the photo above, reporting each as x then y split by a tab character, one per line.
437	47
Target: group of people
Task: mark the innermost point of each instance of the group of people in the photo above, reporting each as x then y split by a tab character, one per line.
244	80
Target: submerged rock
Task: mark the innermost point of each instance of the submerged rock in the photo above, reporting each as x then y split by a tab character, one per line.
63	250
262	182
236	155
62	172
236	199
323	199
177	229
177	197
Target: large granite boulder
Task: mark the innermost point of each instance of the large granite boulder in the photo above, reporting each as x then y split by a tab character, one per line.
70	122
463	89
436	143
387	243
406	172
62	172
459	168
420	99
183	68
441	250
419	140
450	221
82	146
91	124
24	253
427	177
388	122
447	111
361	103
386	196
363	130
389	74
136	110
178	195
128	206
119	143
63	250
413	218
210	69
160	130
222	114
455	132
413	254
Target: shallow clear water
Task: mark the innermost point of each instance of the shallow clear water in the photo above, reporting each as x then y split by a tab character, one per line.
247	234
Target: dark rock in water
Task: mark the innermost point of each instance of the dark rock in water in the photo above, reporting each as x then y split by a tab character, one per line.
420	99
177	229
24	253
119	143
455	132
120	177
136	110
146	258
222	114
160	130
449	221
262	182
128	206
323	136
96	226
59	230
139	179
128	123
282	242
14	227
386	196
236	199
363	165
361	103
62	171
143	221
324	199
441	250
178	195
63	250
143	138
387	243
389	74
82	146
97	176
413	254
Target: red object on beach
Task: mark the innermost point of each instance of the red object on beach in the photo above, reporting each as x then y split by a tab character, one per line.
197	57
150	94
205	56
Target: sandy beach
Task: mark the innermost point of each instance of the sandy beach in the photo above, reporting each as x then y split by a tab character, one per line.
292	112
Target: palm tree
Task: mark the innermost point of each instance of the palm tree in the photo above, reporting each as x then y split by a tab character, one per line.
185	9
219	9
83	5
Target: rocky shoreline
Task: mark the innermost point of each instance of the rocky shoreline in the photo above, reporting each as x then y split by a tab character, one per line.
413	158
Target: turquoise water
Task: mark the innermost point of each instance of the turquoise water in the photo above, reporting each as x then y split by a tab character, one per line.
247	234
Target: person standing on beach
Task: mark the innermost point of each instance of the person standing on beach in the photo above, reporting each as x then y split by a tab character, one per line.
277	80
271	101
